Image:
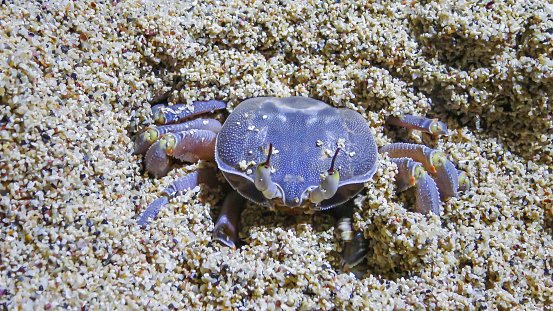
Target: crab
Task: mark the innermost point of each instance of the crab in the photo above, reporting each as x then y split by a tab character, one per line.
294	155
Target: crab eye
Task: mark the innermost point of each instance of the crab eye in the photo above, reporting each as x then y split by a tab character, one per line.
328	186
262	178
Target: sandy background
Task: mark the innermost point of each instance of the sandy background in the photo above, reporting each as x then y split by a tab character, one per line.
76	82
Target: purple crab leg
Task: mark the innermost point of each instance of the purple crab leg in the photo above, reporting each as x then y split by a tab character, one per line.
464	181
151	135
157	161
432	126
434	161
354	251
189	181
411	173
194	145
167	114
447	178
226	227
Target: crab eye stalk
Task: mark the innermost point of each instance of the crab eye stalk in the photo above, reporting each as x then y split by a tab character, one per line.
328	186
262	178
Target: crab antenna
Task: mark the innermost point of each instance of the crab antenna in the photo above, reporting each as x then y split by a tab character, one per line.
329	185
262	178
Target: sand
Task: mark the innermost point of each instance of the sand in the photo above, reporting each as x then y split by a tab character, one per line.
77	82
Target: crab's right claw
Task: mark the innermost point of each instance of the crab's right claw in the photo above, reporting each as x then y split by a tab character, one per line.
227	225
411	173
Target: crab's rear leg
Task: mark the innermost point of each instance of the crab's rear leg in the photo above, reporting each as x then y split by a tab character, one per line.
226	227
191	180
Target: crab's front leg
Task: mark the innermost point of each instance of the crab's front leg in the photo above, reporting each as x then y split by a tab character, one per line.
190	141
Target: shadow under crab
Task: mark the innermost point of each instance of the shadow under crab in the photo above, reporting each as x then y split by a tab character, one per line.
294	155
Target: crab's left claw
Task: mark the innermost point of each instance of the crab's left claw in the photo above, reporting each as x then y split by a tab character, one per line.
226	227
143	141
443	171
156	160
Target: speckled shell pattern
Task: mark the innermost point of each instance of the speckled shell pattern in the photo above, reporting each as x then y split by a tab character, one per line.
305	134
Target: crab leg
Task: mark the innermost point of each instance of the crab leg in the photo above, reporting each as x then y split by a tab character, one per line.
354	251
226	227
432	126
167	114
189	146
157	161
189	181
435	162
411	173
151	135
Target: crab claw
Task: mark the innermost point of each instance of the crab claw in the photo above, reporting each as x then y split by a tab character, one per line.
156	159
411	173
226	227
194	145
145	140
434	161
188	146
431	126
